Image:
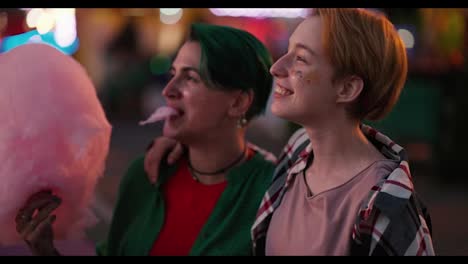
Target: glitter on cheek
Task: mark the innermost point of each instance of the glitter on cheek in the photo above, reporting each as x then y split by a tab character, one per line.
297	76
302	78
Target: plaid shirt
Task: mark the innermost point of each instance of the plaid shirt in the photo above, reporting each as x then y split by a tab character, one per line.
391	220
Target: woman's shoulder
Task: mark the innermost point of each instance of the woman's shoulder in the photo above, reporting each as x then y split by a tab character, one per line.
394	195
258	169
396	213
265	156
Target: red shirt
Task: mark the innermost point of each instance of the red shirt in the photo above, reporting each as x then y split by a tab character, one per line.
188	204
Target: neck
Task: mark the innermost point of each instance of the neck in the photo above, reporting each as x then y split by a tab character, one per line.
213	156
340	148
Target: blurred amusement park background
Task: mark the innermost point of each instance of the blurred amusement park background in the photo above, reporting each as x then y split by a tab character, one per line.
127	52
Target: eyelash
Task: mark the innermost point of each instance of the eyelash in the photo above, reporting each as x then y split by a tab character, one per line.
299	58
190	78
187	77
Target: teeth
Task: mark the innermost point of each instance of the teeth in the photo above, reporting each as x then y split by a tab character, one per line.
282	91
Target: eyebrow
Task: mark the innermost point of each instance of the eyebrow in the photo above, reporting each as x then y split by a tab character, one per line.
186	69
303	46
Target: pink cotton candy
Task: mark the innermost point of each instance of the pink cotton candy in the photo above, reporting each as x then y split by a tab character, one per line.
53	135
161	113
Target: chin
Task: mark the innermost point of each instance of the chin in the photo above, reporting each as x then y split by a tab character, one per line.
286	114
170	132
279	110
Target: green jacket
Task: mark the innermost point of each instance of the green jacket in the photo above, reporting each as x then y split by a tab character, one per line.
139	212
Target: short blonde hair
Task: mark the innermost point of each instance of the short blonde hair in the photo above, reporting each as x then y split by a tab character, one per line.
365	43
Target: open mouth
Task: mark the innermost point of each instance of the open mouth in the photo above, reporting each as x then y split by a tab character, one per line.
281	91
177	115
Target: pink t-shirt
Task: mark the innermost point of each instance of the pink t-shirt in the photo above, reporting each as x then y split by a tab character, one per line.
321	224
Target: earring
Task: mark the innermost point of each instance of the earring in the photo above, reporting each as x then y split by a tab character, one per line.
242	122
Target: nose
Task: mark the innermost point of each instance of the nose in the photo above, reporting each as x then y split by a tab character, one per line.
171	90
279	69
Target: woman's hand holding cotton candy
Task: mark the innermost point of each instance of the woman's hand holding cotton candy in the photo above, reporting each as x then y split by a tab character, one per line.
34	223
54	135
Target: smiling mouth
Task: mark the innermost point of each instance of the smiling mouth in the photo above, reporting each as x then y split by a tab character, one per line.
282	91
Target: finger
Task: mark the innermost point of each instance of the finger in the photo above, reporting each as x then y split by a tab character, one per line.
42	235
147	161
39	231
150	163
175	154
38	201
26	226
155	156
40	217
27	212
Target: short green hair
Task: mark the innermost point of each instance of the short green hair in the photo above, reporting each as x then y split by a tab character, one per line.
233	59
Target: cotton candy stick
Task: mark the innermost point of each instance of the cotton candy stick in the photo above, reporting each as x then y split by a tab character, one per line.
53	135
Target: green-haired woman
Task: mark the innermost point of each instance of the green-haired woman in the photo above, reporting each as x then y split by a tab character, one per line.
206	203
